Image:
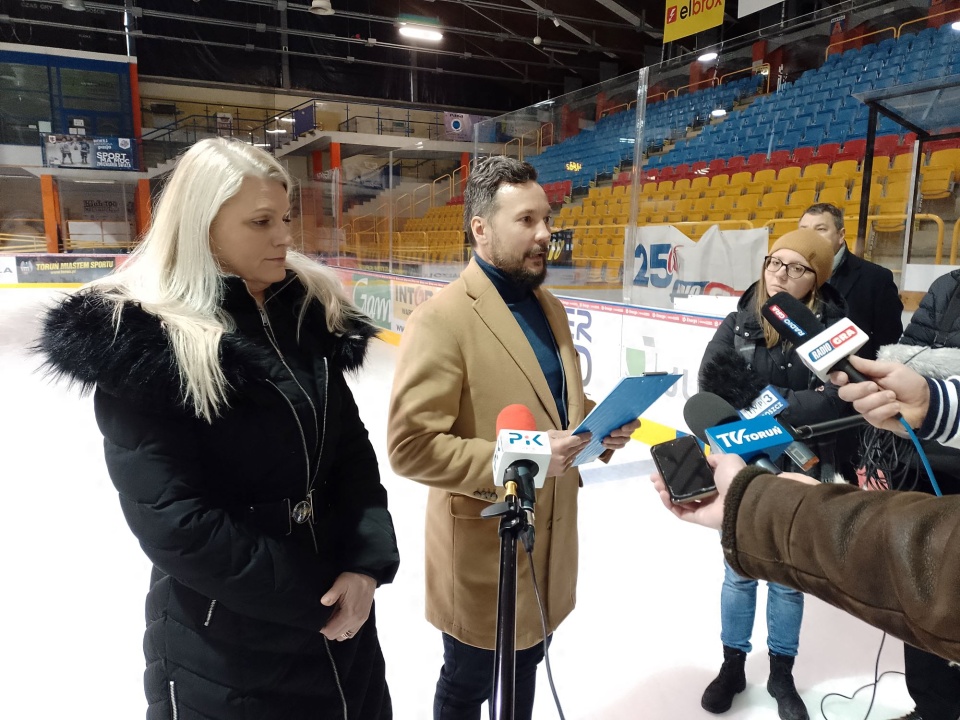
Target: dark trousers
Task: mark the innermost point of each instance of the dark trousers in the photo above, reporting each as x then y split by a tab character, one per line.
466	680
932	683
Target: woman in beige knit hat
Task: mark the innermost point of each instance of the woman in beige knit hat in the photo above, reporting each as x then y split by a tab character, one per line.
745	356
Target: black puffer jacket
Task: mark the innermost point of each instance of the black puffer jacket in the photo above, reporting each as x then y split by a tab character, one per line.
809	400
926	320
233	610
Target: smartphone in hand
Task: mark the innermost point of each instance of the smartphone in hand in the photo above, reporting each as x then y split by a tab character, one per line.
684	469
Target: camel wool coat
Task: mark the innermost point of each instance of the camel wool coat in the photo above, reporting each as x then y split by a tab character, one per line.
463	358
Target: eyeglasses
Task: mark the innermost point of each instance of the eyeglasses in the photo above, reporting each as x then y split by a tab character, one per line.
794	270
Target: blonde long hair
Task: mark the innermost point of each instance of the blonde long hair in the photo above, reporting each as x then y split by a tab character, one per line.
173	274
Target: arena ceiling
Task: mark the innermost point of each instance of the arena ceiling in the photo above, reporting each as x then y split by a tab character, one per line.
488	59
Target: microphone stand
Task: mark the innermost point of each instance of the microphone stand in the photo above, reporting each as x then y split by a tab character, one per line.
516	521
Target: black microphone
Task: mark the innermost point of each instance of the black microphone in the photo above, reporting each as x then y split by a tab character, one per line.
796	323
704	412
728	375
803	432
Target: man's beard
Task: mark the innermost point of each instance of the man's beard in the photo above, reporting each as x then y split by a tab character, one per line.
519	275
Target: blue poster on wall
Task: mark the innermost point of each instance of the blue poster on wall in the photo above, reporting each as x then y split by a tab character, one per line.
303	120
96	153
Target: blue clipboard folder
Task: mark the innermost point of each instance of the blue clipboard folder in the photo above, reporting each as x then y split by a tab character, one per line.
631	397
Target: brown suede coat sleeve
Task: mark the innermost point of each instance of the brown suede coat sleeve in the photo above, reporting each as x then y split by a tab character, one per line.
891	559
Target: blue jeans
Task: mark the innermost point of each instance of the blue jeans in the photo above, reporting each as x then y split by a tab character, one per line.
466	680
738	605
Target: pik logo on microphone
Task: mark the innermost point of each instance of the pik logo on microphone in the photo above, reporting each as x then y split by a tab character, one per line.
525	439
833	343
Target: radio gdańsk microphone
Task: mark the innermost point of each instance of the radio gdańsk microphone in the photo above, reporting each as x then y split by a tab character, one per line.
821	350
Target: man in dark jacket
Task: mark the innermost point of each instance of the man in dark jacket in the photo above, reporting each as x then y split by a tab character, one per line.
931	346
873	301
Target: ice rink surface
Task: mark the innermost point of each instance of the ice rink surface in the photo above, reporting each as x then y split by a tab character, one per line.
642	643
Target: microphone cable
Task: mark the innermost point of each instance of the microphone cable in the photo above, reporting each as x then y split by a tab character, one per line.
877	676
527	540
923	457
890	463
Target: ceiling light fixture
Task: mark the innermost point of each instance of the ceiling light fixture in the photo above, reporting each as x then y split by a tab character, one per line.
74	5
321	7
709	56
420	33
556	21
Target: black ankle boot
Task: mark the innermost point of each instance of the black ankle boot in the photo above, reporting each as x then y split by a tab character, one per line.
718	697
781	687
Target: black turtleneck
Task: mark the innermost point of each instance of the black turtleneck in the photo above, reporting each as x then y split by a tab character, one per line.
530	316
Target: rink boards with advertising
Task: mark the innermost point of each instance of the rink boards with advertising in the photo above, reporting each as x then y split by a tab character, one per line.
613	340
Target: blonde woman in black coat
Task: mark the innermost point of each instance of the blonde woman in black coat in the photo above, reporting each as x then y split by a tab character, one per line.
218	356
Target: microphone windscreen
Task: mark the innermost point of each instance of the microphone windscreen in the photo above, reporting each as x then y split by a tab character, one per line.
706	410
515	417
791	318
728	375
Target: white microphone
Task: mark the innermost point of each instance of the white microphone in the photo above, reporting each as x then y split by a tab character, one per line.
822	351
520	448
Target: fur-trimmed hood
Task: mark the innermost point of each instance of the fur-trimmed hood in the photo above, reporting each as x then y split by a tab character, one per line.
938	363
82	345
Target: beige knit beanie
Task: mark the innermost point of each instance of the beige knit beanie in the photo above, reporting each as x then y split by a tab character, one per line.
815	249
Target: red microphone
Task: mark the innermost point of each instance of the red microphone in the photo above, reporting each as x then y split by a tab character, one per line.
519	445
515	417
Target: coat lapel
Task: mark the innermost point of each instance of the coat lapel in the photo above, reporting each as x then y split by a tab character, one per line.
495	314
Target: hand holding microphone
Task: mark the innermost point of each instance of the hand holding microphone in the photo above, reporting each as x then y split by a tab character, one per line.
888	391
821	350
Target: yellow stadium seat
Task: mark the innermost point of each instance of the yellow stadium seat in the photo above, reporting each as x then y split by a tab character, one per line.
816	170
723	206
904	161
845	168
788	174
749	201
936	183
834	195
807	184
665	186
799	200
893	215
702	205
740	179
838	181
762	180
699	184
949	158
